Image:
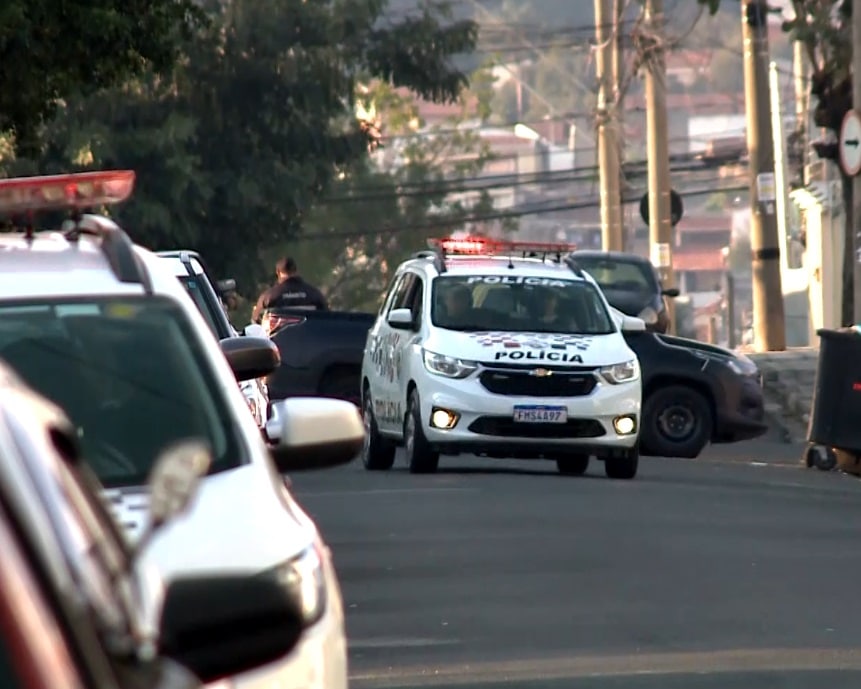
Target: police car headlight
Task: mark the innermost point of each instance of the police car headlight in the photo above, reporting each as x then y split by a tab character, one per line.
621	373
305	582
448	366
649	315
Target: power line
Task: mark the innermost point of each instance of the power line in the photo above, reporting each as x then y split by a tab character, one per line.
499	215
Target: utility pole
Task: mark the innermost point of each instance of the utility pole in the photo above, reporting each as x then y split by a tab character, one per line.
855	227
769	328
618	60
607	121
658	153
802	103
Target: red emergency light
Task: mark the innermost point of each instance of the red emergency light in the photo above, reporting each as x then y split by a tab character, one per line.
74	191
484	246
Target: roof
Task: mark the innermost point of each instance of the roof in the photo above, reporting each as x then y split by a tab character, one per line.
50	265
494	265
620	256
175	262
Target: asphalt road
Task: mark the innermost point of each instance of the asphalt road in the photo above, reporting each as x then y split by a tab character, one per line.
739	569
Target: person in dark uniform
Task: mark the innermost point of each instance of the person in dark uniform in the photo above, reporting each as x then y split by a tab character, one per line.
290	291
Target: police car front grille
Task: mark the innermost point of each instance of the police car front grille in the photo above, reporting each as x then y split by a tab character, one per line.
505	426
528	383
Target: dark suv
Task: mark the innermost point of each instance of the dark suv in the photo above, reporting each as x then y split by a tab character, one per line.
631	284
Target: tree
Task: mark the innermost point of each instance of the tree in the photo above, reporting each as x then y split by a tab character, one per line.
51	50
386	207
257	120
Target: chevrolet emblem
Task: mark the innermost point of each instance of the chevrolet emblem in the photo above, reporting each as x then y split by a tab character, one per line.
541	373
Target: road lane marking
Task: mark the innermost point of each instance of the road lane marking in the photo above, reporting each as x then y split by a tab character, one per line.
702	662
399	642
380	491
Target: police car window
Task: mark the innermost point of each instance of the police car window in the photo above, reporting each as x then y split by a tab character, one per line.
195	291
388	296
417	298
131	374
515	303
402	296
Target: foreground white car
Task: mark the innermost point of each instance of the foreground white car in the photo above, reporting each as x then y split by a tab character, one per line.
105	330
503	357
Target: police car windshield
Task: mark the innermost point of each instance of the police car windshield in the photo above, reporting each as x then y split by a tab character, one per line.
516	303
131	375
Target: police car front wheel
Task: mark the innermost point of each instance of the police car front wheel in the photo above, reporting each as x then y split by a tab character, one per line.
624	466
421	457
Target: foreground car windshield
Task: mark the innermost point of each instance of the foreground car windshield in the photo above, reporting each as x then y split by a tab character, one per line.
129	374
628	276
519	304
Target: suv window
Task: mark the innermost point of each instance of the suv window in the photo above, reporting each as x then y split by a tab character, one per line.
615	274
129	372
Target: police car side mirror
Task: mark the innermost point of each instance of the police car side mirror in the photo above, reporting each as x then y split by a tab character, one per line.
251	357
401	319
632	324
308	433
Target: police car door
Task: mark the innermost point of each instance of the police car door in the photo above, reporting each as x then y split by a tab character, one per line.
388	405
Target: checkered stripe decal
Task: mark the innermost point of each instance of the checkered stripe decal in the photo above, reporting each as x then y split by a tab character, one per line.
533	340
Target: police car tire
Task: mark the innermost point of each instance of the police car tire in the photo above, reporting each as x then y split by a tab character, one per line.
378	453
421	458
624	467
655	443
573	465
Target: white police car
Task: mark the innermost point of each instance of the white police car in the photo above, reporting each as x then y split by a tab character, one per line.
502	349
103	329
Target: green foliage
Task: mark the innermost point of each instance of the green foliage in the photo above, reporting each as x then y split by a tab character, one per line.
56	49
234	149
383	210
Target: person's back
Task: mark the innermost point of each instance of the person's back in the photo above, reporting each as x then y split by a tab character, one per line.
291	291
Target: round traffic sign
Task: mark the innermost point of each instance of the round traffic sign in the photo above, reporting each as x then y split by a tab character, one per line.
677	208
850	143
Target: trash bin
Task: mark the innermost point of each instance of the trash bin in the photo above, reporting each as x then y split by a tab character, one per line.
835	417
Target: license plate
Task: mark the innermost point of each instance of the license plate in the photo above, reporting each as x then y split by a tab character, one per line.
540	414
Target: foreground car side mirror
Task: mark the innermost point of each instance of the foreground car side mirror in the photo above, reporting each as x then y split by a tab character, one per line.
314	433
671	292
225	625
632	324
251	357
255	330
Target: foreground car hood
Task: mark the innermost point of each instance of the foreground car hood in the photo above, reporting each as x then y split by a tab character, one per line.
237	522
533	348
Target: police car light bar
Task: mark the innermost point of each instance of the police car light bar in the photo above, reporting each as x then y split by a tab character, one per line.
74	191
483	246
